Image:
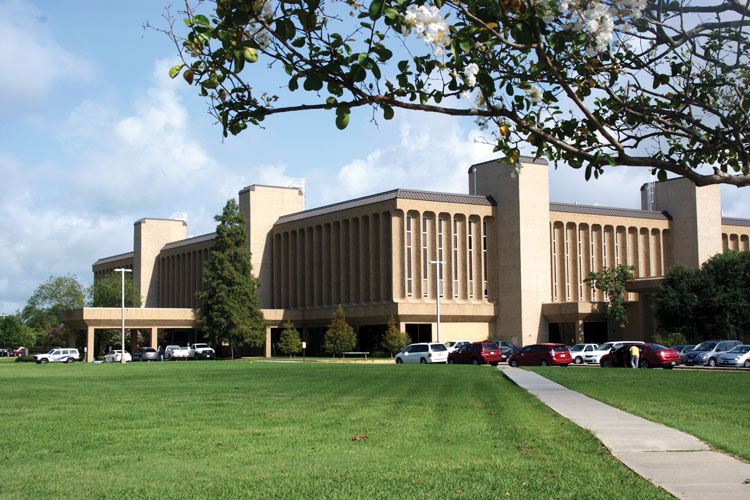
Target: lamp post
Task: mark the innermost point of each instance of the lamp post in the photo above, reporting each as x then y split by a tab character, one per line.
122	272
437	292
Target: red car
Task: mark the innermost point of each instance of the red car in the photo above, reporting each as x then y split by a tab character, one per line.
651	355
542	355
477	353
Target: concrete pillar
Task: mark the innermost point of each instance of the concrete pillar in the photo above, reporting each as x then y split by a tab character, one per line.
89	344
579	332
154	337
268	342
133	340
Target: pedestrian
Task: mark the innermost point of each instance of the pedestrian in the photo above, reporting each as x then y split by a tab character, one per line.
161	353
634	353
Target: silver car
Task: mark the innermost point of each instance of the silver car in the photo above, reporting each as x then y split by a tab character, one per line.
736	356
708	352
423	352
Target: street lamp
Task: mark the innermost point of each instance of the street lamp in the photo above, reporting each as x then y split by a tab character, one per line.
122	272
437	292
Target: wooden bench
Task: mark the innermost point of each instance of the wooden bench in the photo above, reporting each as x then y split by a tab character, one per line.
356	353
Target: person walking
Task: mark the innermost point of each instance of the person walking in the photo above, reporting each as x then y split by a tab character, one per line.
161	353
634	353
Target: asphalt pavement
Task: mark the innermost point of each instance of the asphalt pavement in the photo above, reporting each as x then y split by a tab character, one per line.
678	462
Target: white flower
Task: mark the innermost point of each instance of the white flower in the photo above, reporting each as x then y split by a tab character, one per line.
471	74
466	94
430	26
534	93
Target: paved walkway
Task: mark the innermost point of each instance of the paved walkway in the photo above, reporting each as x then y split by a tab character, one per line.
673	460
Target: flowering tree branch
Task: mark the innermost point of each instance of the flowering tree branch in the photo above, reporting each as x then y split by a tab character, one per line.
588	83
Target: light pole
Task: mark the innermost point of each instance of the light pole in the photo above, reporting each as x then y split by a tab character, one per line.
437	292
122	272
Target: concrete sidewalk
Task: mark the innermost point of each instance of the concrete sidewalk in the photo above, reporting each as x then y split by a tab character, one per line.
673	460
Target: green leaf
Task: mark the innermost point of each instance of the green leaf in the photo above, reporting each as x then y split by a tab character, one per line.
175	70
293	84
342	119
285	29
250	54
376	9
201	19
313	82
387	112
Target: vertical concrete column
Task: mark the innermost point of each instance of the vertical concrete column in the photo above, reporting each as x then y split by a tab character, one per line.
397	229
364	259
267	344
383	265
336	258
293	268
90	344
153	337
276	271
327	250
301	271
284	271
133	340
354	241
579	332
309	256
317	265
373	271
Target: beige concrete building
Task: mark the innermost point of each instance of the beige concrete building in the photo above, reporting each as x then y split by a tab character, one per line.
504	260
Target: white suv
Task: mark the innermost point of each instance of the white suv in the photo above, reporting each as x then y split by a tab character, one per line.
57	355
579	351
596	355
423	352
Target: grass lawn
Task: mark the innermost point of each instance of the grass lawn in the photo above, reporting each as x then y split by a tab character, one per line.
281	430
710	405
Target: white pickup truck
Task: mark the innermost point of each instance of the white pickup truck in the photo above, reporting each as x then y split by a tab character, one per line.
202	351
175	352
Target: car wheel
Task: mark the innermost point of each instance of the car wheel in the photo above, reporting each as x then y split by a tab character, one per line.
643	363
513	363
605	363
711	362
747	364
423	361
578	360
399	361
70	360
494	363
450	361
543	363
474	361
44	361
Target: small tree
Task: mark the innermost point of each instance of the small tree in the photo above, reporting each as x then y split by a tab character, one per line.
393	339
290	342
339	337
611	281
50	299
107	291
230	306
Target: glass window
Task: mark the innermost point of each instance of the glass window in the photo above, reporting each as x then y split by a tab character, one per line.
409	271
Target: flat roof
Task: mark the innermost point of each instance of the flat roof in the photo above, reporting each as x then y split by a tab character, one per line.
113	258
735	221
189	241
408	194
575	208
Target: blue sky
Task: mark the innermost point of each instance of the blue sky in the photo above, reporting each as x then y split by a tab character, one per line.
95	136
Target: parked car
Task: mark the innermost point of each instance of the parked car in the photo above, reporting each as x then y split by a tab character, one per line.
423	352
682	350
650	356
146	354
175	352
706	353
202	351
578	351
58	355
477	353
542	355
453	345
596	355
507	352
116	355
738	355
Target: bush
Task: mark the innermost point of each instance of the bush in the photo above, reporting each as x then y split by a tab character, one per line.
674	338
24	359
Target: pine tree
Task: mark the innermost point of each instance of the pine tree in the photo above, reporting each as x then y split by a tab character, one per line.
340	337
290	342
230	306
393	339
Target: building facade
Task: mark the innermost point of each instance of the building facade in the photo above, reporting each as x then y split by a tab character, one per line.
503	260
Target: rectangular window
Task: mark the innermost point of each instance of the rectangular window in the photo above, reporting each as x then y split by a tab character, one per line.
471	259
440	256
591	239
604	247
455	257
484	257
554	264
409	271
425	263
617	249
580	265
567	265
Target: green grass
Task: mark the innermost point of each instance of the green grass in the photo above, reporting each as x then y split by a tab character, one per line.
281	430
710	405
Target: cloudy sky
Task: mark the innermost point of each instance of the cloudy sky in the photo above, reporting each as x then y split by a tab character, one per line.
95	135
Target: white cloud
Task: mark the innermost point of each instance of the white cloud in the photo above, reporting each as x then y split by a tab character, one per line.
33	61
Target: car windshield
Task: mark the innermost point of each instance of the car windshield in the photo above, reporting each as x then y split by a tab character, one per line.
200	346
577	347
490	346
657	347
740	349
606	346
561	348
51	351
705	346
